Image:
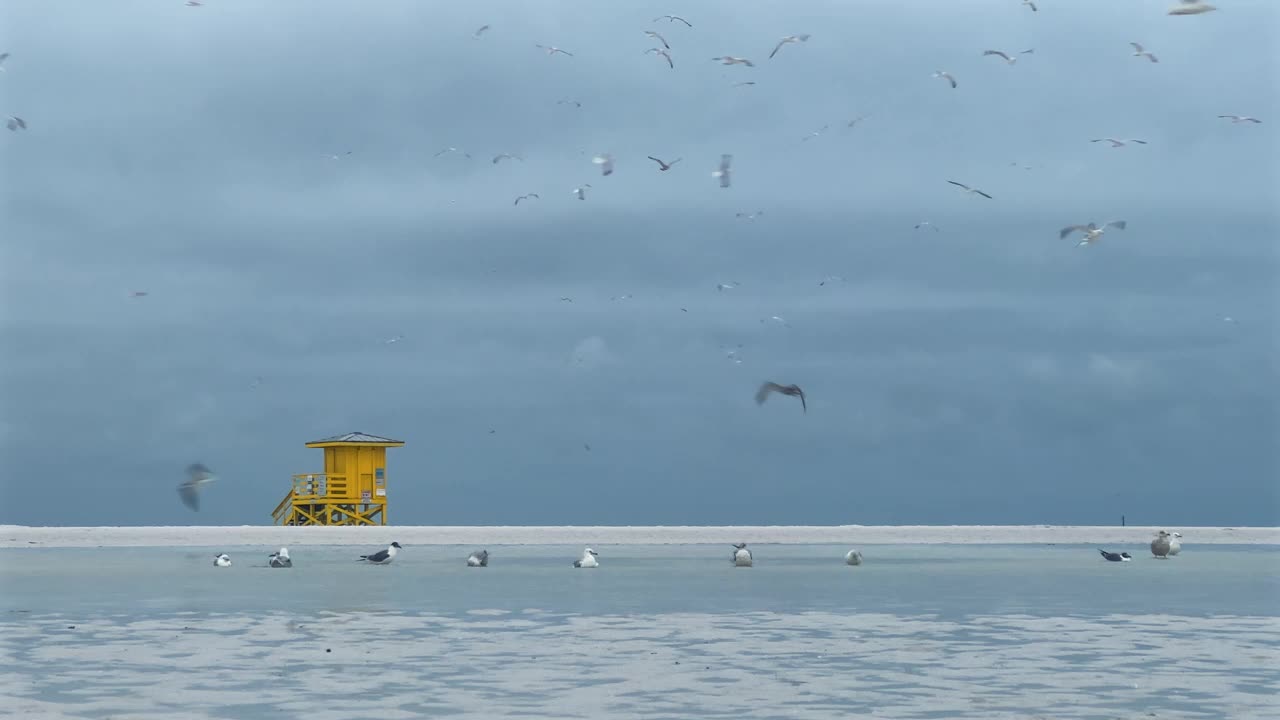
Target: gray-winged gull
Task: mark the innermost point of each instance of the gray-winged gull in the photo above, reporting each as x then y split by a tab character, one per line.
588	559
382	557
741	555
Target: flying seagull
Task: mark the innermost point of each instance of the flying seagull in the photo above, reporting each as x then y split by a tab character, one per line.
1031	5
815	133
1191	7
1115	143
723	172
663	53
672	18
197	477
731	60
968	189
382	557
506	156
3	57
1139	52
721	287
1240	118
945	76
1091	232
790	390
803	37
552	50
748	216
605	161
448	150
927	224
1007	58
657	37
479	31
533	196
581	191
15	123
663	166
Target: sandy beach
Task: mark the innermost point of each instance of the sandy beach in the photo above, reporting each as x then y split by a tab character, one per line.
16	536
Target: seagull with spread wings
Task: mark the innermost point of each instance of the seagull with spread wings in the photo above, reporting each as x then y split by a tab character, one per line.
790	390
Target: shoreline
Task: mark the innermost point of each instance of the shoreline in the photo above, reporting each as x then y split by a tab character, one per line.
22	536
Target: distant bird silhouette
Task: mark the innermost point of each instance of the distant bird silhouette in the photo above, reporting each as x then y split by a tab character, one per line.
664	166
772	387
672	18
197	477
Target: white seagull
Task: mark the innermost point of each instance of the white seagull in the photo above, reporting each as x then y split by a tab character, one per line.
741	555
853	557
552	50
721	287
588	559
1116	142
672	18
1139	52
280	559
1191	7
382	557
222	560
663	53
478	559
968	189
723	172
731	60
659	38
1091	232
803	37
581	192
945	76
1240	118
605	161
1007	58
1175	543
197	477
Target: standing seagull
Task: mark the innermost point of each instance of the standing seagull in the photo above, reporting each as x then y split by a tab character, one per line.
222	560
1139	52
1160	546
1091	232
663	166
741	555
382	557
803	37
790	390
657	37
672	18
1191	7
552	50
588	559
1175	544
968	189
15	123
1115	557
605	161
946	76
197	477
723	172
1240	118
280	559
1115	143
478	559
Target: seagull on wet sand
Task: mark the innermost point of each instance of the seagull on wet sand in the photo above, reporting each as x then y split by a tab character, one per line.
1009	59
664	166
197	477
741	555
1139	52
803	37
663	53
222	560
672	18
1115	557
552	50
1160	546
1116	142
790	390
478	559
1191	7
533	196
659	38
1091	232
382	557
723	172
946	76
588	559
280	559
968	189
853	557
1240	118
605	161
731	60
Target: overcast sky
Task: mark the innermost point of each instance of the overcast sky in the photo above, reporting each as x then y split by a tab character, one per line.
985	372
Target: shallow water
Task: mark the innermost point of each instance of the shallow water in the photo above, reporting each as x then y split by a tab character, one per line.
655	632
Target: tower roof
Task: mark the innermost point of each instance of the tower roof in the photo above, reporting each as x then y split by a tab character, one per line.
356	438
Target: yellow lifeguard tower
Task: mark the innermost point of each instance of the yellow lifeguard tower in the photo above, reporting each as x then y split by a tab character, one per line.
352	490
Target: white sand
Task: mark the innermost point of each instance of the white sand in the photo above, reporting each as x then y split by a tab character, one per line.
13	536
